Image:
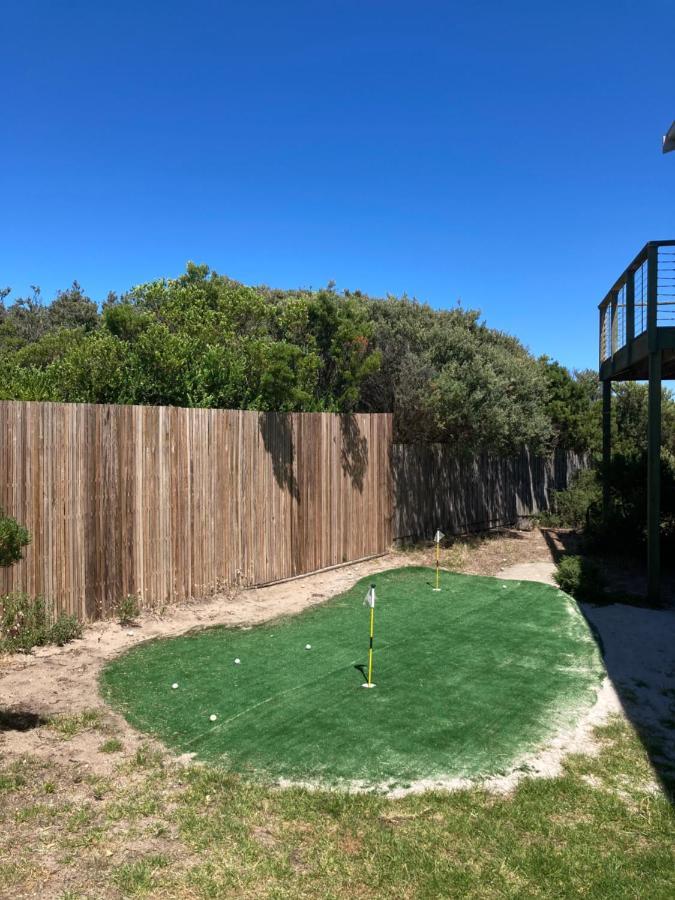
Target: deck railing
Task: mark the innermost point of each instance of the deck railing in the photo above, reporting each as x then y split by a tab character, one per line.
642	298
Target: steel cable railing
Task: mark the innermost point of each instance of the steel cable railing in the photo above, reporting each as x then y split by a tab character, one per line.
625	311
665	289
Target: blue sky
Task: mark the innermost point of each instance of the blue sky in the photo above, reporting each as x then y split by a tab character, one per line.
507	154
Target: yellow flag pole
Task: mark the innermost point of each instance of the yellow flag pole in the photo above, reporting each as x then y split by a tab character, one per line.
437	539
370	650
370	600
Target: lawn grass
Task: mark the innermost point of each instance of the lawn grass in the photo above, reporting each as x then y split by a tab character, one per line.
161	830
468	681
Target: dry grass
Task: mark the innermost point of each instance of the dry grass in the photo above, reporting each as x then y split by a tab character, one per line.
486	554
156	828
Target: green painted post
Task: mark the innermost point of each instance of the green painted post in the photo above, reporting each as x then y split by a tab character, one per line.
652	304
630	306
602	335
615	321
606	444
654	480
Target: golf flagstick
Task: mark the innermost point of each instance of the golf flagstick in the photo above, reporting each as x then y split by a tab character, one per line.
370	601
438	537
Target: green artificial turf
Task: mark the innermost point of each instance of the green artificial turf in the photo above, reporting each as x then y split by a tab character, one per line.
469	680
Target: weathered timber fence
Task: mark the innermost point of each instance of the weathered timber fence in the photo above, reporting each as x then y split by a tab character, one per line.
171	503
436	488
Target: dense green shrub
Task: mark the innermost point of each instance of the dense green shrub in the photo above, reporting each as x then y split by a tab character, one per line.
623	529
204	340
27	622
570	508
581	578
13	538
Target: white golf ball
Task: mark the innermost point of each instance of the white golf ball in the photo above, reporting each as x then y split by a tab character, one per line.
237	661
308	646
174	685
213	717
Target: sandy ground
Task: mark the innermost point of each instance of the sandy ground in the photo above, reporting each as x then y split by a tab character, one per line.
64	681
638	653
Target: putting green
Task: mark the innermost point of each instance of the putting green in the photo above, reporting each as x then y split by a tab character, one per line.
469	680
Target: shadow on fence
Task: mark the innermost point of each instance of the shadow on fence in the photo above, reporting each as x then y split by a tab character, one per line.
276	430
354	450
435	487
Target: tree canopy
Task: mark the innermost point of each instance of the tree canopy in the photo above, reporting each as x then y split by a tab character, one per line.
198	340
205	340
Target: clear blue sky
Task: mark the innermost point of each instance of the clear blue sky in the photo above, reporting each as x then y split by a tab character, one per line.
504	153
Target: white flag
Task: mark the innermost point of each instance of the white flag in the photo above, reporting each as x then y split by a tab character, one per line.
438	537
370	597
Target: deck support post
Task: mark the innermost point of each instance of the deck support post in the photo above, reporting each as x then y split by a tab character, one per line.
630	306
606	444
654	480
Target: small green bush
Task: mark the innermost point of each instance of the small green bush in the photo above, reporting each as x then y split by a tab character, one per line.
65	629
13	538
128	609
27	622
581	578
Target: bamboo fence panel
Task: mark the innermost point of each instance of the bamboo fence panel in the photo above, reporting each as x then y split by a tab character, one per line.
171	503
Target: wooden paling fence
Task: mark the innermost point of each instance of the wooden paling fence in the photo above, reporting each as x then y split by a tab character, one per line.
434	487
172	503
